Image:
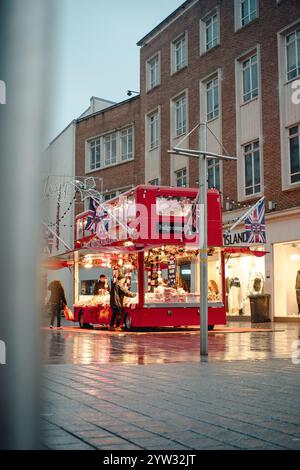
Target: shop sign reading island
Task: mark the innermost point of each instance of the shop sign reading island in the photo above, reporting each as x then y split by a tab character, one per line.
254	231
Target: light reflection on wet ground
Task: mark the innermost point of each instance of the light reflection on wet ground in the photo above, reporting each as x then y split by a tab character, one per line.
71	346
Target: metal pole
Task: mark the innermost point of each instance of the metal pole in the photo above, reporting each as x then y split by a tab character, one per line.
25	66
203	247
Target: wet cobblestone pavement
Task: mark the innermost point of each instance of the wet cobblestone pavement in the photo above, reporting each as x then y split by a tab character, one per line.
237	341
120	391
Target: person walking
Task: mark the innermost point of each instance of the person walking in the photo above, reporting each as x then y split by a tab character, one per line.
57	302
117	294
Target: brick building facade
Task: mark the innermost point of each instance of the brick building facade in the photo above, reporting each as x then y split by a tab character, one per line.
230	64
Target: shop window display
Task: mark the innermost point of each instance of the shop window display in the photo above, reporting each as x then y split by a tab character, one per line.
287	279
244	276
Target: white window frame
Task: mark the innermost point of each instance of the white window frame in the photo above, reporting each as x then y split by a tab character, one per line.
244	68
296	32
154	129
95	142
182	128
128	135
181	174
153	83
175	67
238	13
154	182
203	31
251	152
289	153
213	164
107	138
110	195
211	85
110	141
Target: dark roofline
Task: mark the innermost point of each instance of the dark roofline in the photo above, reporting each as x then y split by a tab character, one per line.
107	109
167	20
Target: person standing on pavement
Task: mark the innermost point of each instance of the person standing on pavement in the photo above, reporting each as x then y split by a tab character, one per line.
57	302
117	294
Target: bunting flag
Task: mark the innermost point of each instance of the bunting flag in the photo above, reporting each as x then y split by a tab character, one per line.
91	220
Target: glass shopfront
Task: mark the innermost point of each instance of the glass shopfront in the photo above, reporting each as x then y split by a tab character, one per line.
287	279
244	276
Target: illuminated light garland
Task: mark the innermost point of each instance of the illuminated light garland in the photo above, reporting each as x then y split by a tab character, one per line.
53	224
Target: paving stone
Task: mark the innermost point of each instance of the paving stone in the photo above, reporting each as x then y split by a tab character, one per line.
221	404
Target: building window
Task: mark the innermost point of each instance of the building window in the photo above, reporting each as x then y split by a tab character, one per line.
153	72
250	78
154	182
211	32
110	149
95	154
180	116
248	11
252	168
294	141
212	99
154	130
126	144
181	178
109	196
179	47
213	169
293	54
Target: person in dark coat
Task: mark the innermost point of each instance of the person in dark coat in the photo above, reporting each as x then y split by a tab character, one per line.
117	294
57	301
100	285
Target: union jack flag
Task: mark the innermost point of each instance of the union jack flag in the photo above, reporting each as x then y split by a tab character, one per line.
91	220
255	226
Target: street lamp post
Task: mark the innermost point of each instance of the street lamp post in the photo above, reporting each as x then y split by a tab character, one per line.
203	245
202	155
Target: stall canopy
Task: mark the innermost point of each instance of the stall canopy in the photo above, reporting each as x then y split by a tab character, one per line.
63	260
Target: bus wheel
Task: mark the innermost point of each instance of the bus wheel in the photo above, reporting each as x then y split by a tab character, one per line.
211	327
127	322
81	320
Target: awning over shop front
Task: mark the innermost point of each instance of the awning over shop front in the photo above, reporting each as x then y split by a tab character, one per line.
246	250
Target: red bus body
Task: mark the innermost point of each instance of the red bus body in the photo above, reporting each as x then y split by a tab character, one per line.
151	315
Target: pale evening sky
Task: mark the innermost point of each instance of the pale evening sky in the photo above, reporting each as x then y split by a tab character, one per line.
95	51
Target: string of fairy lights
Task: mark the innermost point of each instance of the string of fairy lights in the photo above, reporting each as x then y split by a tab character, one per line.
61	218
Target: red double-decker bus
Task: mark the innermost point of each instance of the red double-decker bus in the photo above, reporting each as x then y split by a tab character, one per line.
151	234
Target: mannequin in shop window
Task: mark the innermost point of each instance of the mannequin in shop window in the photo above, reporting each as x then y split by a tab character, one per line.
256	284
297	287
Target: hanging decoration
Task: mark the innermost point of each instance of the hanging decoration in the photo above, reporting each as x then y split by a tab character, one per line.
53	224
155	273
47	238
58	222
172	271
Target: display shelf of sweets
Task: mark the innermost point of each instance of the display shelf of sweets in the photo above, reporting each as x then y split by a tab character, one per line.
131	302
170	295
192	297
151	297
213	297
102	300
